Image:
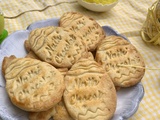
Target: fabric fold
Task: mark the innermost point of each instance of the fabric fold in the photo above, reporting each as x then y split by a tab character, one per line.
12	9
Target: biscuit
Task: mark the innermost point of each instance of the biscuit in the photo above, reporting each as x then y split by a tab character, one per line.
38	33
85	27
27	46
5	62
58	112
61	113
33	85
90	93
63	70
57	46
114	52
43	115
31	54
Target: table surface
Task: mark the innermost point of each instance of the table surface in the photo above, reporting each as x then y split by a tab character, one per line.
127	17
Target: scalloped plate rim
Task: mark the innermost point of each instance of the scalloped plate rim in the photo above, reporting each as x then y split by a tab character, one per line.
54	22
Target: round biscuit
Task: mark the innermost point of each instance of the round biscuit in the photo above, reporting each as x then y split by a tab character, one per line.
115	54
90	94
33	85
84	26
57	46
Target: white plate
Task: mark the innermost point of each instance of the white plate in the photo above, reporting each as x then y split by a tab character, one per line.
128	98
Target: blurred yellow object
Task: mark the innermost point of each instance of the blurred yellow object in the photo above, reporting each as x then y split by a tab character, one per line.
1	22
151	28
3	32
93	6
101	1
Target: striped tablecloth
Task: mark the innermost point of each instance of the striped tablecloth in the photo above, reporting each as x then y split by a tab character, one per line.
127	17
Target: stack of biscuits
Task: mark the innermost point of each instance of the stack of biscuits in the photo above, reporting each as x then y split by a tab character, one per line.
71	71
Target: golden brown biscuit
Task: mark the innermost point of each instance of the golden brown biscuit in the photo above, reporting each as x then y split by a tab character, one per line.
115	53
57	46
45	31
43	115
31	54
61	113
27	46
33	85
85	27
5	62
63	70
58	112
90	93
